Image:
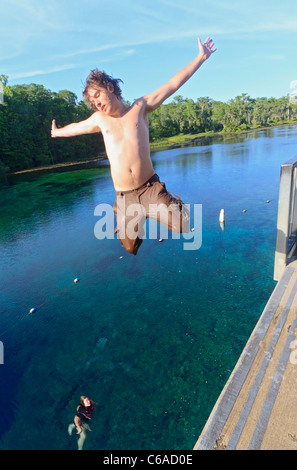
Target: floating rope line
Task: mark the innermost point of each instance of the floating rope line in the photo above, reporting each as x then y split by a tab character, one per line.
37	307
34	309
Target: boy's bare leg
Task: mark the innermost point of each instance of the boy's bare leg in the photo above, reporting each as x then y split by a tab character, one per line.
81	440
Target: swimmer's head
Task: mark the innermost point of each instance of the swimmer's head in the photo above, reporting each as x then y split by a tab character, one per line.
85	401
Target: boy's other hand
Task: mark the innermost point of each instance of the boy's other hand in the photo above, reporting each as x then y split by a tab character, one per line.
54	128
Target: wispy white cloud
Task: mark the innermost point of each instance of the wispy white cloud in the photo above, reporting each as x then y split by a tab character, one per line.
33	73
61	68
164	37
276	57
286	25
173	36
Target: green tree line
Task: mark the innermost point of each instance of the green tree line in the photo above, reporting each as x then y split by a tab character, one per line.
26	113
242	113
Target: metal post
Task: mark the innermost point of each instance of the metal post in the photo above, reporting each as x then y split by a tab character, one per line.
286	223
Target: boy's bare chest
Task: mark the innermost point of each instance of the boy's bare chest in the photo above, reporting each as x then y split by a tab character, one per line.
131	126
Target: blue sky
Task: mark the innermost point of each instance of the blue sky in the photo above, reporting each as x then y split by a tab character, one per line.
56	43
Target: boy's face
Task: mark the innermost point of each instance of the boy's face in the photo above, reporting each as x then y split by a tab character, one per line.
102	99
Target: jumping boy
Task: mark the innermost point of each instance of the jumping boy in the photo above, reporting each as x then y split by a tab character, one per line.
126	138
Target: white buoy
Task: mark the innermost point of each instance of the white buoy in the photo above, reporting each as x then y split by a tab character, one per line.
76	280
160	240
121	257
32	310
267	202
222	216
244	210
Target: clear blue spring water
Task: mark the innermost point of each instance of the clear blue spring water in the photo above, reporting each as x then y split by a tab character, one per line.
152	338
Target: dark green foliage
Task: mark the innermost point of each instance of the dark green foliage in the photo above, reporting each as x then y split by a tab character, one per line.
239	114
25	128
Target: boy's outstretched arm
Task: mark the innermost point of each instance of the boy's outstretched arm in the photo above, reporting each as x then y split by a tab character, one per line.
157	97
89	126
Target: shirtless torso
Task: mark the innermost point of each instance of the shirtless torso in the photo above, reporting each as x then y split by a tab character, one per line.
126	139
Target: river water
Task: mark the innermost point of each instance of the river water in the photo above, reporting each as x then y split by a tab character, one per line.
151	338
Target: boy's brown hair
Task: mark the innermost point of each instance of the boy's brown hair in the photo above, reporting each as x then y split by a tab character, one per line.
100	78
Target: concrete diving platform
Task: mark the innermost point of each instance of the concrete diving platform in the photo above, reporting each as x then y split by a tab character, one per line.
257	409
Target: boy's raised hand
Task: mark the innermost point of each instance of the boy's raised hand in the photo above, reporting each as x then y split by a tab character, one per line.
206	49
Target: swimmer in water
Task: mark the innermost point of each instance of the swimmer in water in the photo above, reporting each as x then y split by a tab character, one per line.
125	129
82	418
